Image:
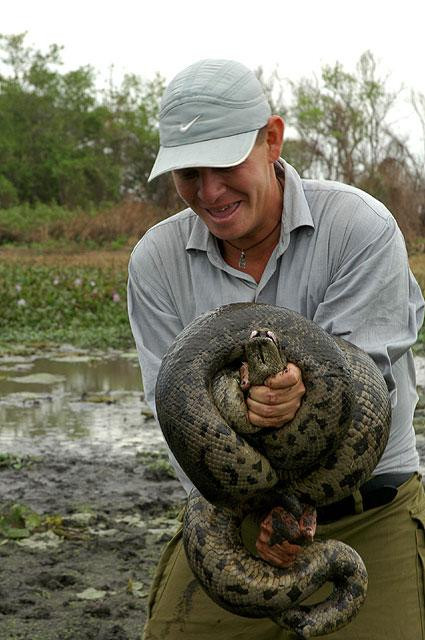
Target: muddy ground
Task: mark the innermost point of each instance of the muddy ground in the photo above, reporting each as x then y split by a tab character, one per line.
82	525
84	572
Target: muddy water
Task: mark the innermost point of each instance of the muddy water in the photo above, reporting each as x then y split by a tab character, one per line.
91	404
80	403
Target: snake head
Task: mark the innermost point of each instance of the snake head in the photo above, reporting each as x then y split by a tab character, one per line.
263	355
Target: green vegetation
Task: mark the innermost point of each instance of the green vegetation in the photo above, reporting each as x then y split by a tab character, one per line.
18	521
49	227
64	141
22	222
74	162
12	461
84	306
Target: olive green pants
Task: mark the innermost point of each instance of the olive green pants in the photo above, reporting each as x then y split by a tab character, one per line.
391	541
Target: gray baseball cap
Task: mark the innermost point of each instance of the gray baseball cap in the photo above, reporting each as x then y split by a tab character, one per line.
210	115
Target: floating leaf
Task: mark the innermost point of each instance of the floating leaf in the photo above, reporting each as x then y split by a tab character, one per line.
136	588
14	533
39	378
91	594
73	359
41	541
132	520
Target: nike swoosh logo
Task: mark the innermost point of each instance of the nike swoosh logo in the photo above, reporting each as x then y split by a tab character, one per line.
186	127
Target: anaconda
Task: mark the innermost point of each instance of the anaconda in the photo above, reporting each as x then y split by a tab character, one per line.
328	450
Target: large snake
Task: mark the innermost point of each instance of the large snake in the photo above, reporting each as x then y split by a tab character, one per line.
328	450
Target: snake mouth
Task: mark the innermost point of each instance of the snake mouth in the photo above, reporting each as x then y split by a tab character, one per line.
264	333
263	355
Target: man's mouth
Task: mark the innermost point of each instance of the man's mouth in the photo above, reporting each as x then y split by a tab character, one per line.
223	212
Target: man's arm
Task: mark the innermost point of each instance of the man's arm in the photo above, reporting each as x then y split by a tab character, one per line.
373	299
155	324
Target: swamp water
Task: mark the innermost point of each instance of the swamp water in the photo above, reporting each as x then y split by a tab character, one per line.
90	405
75	402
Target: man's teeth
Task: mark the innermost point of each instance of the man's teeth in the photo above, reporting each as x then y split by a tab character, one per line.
222	209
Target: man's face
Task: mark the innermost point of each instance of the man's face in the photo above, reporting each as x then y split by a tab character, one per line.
235	203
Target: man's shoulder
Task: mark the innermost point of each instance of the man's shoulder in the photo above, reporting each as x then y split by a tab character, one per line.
181	221
173	231
346	200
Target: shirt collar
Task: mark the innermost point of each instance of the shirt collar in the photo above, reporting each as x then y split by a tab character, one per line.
296	212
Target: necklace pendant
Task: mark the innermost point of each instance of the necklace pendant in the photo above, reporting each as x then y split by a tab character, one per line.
242	260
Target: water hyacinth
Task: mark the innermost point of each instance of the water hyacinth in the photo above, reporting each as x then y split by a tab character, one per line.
87	309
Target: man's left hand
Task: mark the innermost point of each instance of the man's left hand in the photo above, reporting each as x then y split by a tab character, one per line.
276	402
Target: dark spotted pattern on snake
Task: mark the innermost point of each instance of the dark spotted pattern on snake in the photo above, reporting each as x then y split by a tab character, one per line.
328	450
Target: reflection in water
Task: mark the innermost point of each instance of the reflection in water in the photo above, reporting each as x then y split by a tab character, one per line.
81	374
90	406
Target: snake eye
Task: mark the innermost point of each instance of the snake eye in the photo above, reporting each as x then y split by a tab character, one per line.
272	336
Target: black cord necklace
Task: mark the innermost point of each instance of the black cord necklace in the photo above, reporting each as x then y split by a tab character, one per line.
242	257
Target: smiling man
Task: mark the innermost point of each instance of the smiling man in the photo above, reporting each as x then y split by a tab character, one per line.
254	231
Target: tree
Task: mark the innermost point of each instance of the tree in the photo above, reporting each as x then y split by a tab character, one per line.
341	119
418	102
53	134
134	107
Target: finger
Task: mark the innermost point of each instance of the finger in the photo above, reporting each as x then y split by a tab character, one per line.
262	415
278	526
244	376
267	409
267	396
273	422
281	555
289	377
308	522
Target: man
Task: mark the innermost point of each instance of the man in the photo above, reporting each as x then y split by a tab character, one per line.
254	231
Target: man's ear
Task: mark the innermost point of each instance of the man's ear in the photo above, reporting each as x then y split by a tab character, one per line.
274	137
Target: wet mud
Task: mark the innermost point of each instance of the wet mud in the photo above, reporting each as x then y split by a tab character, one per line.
87	498
87	575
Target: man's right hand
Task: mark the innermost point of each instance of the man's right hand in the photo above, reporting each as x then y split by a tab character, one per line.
282	536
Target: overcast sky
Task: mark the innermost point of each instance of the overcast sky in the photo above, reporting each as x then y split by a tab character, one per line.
297	38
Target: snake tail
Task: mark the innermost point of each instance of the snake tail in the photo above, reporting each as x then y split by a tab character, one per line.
250	587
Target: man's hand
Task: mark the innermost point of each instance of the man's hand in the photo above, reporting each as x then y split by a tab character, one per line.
276	402
281	535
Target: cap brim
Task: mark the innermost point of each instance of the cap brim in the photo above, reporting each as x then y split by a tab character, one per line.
221	152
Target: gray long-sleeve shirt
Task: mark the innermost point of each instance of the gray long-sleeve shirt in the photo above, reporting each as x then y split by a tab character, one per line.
341	262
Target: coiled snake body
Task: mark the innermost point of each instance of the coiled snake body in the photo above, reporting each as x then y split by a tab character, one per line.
328	450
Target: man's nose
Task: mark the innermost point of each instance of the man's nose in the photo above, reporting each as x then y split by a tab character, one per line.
210	186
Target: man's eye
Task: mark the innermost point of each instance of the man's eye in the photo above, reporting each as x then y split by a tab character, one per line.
188	175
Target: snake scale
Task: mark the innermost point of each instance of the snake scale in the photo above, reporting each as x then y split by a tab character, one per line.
328	450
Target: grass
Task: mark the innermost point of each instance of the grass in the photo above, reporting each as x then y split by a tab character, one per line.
53	227
63	274
54	303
